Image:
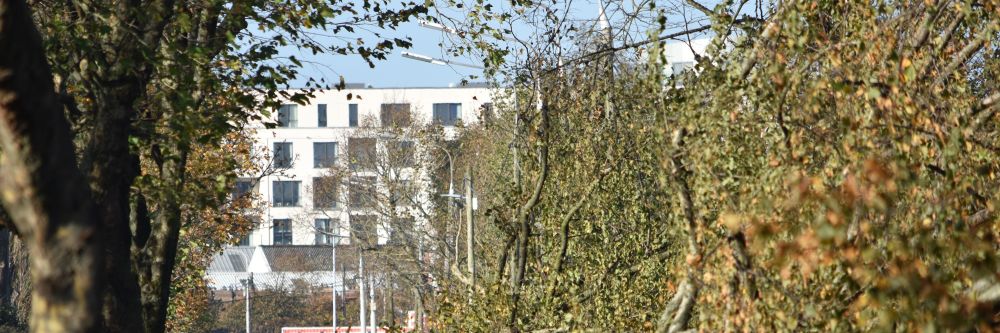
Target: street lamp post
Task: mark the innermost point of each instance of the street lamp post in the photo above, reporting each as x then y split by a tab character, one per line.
470	223
334	239
470	227
333	285
372	305
247	284
436	61
361	291
468	197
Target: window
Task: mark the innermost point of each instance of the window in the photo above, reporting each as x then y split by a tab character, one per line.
324	154
362	192
285	193
324	232
288	115
403	154
321	115
324	192
363	229
244	241
243	186
402	230
400	192
352	115
361	152
395	115
282	154
282	232
447	114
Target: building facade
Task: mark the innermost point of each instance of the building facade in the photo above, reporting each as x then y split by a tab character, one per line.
336	130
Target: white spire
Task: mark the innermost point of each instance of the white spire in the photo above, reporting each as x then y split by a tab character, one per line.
602	19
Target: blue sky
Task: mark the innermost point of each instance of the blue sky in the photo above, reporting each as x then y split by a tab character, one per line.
397	71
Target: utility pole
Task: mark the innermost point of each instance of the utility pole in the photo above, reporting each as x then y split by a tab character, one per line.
343	288
333	282
471	227
361	291
246	300
371	307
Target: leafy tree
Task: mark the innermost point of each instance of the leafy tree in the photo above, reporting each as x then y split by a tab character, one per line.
140	81
218	221
824	167
388	183
283	306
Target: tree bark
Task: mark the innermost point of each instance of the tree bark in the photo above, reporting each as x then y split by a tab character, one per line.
108	159
20	281
7	274
157	258
112	169
16	279
42	190
524	219
680	308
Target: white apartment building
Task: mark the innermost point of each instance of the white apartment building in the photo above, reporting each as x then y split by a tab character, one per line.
310	137
680	56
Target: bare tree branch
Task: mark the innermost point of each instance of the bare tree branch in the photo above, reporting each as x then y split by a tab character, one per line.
965	54
701	8
678	311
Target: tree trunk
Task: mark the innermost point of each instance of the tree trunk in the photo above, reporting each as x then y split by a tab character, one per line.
6	247
20	295
16	281
43	192
112	170
159	254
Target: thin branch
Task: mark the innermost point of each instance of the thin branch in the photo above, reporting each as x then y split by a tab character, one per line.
963	56
925	26
986	103
701	8
949	32
980	217
682	304
569	217
661	38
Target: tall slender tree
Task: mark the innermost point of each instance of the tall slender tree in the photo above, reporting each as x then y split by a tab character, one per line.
148	80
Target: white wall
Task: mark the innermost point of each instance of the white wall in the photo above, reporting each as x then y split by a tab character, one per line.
681	53
302	137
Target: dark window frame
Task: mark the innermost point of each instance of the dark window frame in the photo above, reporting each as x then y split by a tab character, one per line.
324	231
283	155
395	115
285	193
242	186
352	115
446	114
402	229
321	115
325	148
361	152
282	232
406	153
364	228
361	191
322	196
288	116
